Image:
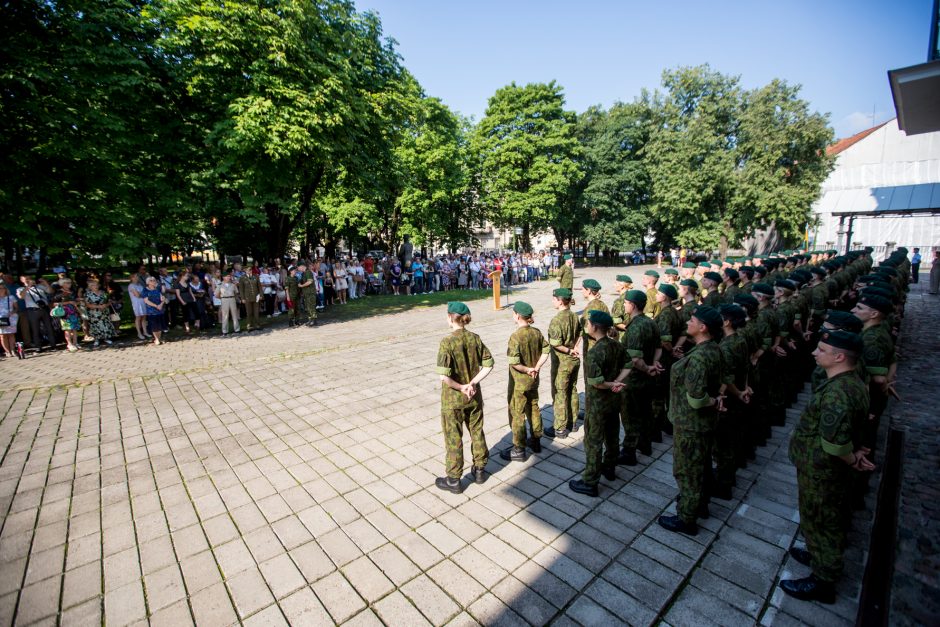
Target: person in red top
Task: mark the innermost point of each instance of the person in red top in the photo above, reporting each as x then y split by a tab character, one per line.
368	264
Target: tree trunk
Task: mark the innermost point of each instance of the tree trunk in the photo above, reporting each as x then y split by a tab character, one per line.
42	261
526	243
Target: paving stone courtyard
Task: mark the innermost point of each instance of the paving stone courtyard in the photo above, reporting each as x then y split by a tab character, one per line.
286	477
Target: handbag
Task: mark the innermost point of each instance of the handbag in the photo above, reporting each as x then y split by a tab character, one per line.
57	312
114	316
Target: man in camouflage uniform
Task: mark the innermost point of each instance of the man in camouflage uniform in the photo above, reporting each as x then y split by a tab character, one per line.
650	278
731	278
604	364
730	439
462	362
566	273
293	293
694	401
642	346
591	290
770	393
249	290
623	284
825	456
308	290
563	333
527	353
710	294
671	327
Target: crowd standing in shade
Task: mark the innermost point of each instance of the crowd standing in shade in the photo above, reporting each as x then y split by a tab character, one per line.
712	353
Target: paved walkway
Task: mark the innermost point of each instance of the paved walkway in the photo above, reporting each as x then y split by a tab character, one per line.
287	477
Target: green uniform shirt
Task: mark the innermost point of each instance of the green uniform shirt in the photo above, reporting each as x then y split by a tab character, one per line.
618	310
736	359
526	346
730	292
768	327
249	287
712	298
640	341
602	363
670	324
879	350
786	314
461	356
652	305
564	330
825	429
693	379
566	277
597	303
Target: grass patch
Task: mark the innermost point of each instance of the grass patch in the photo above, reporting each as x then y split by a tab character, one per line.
378	305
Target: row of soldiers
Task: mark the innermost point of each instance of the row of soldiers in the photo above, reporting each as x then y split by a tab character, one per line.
714	358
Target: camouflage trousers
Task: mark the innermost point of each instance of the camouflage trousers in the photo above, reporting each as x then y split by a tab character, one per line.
823	504
636	414
523	405
310	303
601	436
564	391
691	459
453	420
727	445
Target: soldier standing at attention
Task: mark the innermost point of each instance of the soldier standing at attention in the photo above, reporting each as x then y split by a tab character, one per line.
687	271
710	295
650	278
880	360
642	346
688	297
694	403
825	456
563	333
566	273
623	284
591	290
308	289
731	278
730	436
293	294
671	328
671	276
604	364
462	362
527	353
249	290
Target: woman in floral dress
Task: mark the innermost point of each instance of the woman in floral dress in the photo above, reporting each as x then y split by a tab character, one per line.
98	305
71	320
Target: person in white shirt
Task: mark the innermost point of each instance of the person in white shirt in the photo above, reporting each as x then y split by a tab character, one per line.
475	273
268	282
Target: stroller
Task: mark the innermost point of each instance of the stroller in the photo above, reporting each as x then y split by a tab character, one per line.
375	284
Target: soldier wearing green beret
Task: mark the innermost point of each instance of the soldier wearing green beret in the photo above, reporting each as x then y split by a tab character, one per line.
249	290
307	282
563	333
694	402
687	270
731	443
710	295
623	284
688	301
671	276
527	352
671	327
566	273
751	425
825	456
591	290
462	362
650	278
604	364
642	345
293	294
730	278
769	394
879	356
788	321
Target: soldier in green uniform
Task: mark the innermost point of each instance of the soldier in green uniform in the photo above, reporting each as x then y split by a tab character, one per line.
787	317
671	328
769	392
642	345
687	271
308	290
880	359
566	273
623	284
671	275
694	402
710	294
730	437
825	457
527	353
604	364
752	427
650	278
688	297
462	362
293	293
731	278
591	290
563	333
249	290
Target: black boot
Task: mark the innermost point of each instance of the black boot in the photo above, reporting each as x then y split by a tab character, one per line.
549	432
645	447
801	555
448	484
535	444
677	525
580	487
627	458
810	589
609	472
513	454
479	475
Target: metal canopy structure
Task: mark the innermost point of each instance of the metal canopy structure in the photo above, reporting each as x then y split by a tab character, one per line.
916	89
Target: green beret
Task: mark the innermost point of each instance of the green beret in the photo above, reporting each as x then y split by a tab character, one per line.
713	276
623	278
818	271
672	271
785	284
745	300
732	274
568	256
762	288
733	312
886	270
716	264
669	290
748	270
523	309
636	297
705	264
600	318
688	283
690	265
879	303
591	284
842	339
843	320
880	291
457	307
652	273
709	316
562	292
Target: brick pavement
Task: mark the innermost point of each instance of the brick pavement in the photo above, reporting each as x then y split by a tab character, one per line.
286	477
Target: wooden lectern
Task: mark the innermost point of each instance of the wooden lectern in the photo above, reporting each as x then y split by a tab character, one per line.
495	276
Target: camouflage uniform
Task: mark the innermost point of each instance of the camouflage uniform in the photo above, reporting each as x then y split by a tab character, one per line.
602	363
618	313
249	288
671	328
730	437
526	346
824	433
588	341
309	294
461	356
636	413
566	276
878	355
563	331
712	298
770	396
730	292
694	378
293	295
652	307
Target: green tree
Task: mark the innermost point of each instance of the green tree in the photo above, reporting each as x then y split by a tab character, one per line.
527	156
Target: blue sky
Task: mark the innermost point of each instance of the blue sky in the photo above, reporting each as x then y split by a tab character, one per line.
602	52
